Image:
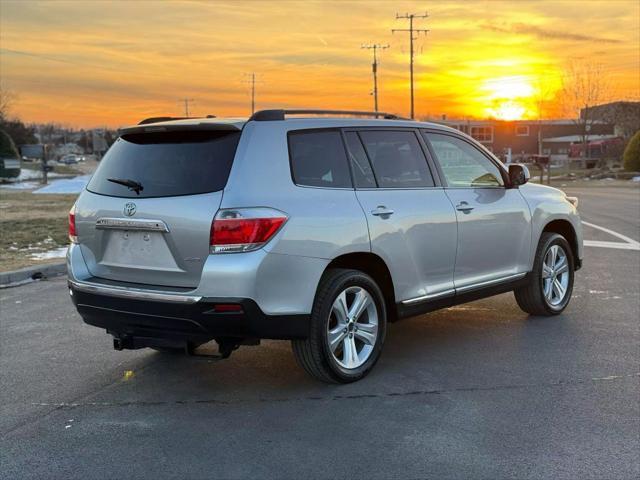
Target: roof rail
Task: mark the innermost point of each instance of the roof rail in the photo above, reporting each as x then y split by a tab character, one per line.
271	115
166	119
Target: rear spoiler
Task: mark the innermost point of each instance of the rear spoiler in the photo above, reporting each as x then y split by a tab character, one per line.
178	127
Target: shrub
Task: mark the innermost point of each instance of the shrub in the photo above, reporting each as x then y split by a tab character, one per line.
631	156
7	147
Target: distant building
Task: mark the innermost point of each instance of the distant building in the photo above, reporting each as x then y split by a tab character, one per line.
625	116
517	140
68	148
572	147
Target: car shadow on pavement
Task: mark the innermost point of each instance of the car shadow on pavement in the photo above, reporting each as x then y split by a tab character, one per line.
483	343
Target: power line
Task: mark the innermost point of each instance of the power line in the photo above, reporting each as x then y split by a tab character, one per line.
374	68
186	105
411	30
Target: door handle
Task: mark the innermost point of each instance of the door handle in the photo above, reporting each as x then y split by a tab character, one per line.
382	211
464	207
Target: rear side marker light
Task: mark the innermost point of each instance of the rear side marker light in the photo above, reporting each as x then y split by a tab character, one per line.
227	308
73	234
244	230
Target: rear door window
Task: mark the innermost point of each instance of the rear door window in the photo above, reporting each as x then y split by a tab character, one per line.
318	159
397	159
166	164
362	172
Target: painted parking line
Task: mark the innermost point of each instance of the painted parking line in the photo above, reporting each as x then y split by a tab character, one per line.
629	243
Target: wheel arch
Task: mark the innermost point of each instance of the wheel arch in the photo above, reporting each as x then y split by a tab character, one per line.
565	228
376	268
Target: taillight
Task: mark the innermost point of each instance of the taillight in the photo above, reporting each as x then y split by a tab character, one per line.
244	229
73	234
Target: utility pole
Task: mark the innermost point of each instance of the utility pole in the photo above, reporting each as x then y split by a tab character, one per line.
411	30
186	105
374	68
251	80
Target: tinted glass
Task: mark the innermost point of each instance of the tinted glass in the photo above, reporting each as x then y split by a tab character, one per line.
318	159
360	166
167	164
397	159
464	165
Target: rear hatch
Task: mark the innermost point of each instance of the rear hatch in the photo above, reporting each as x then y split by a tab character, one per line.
147	212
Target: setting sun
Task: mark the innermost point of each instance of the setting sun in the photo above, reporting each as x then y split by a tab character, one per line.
507	110
509	98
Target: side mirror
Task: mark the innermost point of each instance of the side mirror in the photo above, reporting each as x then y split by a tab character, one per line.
518	174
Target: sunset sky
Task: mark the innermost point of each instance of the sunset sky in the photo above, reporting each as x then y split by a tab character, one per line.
101	63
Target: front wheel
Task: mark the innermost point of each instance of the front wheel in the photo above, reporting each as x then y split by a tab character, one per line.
348	327
549	290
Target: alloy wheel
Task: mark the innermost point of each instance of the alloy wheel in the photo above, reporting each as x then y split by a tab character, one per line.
352	327
555	275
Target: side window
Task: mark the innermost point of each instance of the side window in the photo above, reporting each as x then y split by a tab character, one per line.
360	166
463	165
397	159
318	159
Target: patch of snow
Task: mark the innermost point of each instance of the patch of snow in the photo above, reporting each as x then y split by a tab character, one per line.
636	179
56	253
28	174
21	185
68	185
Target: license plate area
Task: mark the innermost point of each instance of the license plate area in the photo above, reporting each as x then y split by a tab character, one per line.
137	249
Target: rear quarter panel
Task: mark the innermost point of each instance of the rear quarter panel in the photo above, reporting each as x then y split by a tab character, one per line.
323	222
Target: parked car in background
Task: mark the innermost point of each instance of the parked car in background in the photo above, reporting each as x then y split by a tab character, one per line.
316	230
69	159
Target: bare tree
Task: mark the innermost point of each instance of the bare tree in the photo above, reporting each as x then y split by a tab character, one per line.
584	86
6	100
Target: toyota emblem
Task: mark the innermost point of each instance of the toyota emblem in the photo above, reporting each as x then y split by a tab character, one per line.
130	209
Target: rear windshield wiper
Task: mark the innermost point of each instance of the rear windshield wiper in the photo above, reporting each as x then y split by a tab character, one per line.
131	184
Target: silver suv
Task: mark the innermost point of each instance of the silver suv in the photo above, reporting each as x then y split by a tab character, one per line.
318	230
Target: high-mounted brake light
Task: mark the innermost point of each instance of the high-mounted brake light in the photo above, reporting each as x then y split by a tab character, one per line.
244	229
73	234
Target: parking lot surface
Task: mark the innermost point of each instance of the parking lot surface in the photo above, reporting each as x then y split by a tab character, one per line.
475	391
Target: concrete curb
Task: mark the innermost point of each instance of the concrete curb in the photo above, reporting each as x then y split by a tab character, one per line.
28	274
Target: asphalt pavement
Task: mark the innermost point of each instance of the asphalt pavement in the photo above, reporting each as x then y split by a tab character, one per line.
475	391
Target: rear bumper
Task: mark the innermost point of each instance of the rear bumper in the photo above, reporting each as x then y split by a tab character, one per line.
157	321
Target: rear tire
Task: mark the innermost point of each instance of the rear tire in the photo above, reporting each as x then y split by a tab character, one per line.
347	328
551	284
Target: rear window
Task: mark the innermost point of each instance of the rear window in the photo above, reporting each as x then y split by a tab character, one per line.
318	159
166	164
